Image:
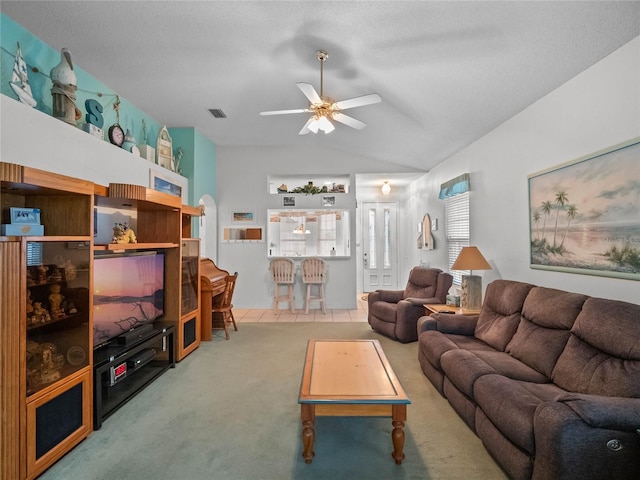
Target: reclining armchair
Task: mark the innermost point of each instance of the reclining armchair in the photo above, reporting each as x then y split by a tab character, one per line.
395	313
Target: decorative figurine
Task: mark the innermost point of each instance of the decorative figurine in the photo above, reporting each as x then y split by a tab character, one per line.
64	90
55	301
164	148
70	271
177	160
40	313
130	143
48	371
123	234
20	81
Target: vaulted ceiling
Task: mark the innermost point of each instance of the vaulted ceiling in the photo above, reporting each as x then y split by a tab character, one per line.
448	72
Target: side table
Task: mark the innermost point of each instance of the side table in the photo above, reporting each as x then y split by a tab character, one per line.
441	308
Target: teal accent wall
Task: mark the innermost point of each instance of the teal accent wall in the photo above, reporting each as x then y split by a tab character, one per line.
198	164
37	53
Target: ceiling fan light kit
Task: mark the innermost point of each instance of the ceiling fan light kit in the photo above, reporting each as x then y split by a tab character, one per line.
325	109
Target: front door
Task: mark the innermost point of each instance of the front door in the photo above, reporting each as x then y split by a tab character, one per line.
380	259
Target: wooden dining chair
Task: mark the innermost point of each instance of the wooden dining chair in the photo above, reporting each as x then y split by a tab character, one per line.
222	308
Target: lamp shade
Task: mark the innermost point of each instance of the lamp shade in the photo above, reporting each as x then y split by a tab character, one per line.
470	258
386	188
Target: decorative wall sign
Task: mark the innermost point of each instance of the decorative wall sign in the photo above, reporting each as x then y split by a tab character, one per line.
288	201
164	148
25	216
584	214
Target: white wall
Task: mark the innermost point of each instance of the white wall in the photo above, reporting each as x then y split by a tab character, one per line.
597	109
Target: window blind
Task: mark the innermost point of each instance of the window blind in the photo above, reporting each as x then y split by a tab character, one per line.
456	210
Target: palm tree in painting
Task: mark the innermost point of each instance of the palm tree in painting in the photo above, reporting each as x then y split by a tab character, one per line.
572	211
546	209
560	201
536	220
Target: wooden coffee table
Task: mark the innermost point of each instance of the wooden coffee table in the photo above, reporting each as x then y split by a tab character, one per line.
350	378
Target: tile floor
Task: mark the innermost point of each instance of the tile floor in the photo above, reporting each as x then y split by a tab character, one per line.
250	315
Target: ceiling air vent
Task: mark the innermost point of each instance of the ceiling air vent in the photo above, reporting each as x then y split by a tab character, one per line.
217	113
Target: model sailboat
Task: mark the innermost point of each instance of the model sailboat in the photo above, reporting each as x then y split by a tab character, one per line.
20	81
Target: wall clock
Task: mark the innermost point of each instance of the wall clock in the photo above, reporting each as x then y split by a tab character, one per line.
116	135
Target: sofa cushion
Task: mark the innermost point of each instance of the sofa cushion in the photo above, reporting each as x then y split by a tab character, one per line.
422	283
602	356
511	406
434	344
500	314
463	368
547	317
510	367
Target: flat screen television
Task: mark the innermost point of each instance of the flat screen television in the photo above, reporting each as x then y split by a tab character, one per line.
128	293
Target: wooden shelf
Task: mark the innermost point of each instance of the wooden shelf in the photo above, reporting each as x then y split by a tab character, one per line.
114	247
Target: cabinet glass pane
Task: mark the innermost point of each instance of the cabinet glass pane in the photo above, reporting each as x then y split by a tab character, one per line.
57	311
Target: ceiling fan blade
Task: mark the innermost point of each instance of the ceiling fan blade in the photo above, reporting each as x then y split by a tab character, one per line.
350	121
309	92
282	112
358	101
306	129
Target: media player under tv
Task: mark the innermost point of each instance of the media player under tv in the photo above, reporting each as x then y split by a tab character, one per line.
135	335
141	359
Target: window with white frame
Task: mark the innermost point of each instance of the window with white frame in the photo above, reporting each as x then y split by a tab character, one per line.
456	210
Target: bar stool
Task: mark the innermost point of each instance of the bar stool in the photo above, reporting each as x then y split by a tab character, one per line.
314	272
283	271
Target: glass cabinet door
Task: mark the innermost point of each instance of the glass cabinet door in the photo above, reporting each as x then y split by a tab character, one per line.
57	311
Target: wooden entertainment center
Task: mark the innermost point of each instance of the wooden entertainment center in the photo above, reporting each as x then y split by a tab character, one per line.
50	377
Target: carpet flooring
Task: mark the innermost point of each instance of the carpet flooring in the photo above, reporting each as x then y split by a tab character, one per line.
229	411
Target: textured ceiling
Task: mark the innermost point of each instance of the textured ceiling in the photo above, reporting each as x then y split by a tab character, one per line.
448	72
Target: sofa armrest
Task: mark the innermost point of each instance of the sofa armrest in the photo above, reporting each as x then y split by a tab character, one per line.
600	411
419	302
456	324
426	322
390	296
568	442
448	323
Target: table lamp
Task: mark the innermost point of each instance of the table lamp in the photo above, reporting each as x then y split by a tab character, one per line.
471	259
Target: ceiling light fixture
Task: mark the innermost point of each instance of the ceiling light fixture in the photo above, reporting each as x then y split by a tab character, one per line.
301	230
386	188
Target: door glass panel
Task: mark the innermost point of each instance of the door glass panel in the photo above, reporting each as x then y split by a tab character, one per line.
372	239
387	239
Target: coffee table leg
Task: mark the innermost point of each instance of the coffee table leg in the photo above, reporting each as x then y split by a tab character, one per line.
399	415
308	414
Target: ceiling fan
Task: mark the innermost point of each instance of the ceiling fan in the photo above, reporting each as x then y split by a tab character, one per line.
324	109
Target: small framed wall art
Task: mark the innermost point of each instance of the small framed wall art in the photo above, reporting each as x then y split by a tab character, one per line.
328	201
243	217
164	183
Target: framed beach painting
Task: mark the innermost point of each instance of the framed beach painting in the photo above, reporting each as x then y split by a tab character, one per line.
584	215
